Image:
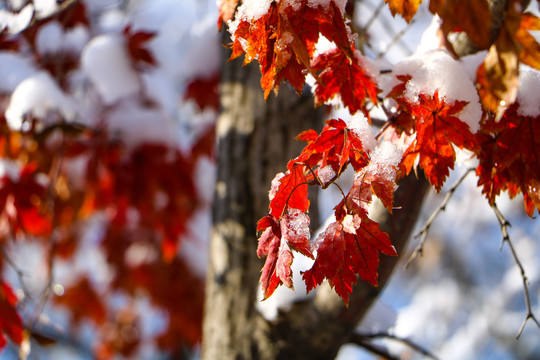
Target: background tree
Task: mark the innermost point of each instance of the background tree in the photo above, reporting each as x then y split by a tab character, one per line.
106	172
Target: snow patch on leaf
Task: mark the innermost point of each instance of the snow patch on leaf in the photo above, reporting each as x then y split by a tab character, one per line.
254	9
361	128
38	95
438	71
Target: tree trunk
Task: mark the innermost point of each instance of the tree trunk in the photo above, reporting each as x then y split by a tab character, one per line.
255	141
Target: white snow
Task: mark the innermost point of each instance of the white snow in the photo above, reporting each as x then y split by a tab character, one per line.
50	38
45	8
360	126
137	124
254	9
384	160
438	71
38	95
16	22
107	63
529	93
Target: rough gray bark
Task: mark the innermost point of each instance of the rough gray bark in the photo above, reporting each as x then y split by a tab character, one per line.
255	140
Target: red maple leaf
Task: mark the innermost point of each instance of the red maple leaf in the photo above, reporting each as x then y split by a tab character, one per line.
268	40
343	74
137	44
291	232
289	190
204	91
437	128
10	321
29	200
336	146
84	302
283	40
347	249
509	154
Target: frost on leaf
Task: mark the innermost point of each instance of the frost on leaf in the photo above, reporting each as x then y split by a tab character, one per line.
336	146
347	249
291	232
226	11
283	39
289	190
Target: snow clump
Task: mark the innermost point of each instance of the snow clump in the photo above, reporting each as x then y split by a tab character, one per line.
438	71
38	95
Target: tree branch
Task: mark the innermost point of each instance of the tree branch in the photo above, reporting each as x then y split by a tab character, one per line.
366	343
504	224
423	233
360	339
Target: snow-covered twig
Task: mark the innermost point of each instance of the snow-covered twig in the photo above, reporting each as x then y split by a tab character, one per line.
423	233
504	224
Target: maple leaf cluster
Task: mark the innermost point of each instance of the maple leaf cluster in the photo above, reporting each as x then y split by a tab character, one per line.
62	180
428	124
283	41
351	245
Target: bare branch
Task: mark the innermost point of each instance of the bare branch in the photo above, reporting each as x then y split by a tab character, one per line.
442	206
397	39
405	341
21	274
365	342
504	224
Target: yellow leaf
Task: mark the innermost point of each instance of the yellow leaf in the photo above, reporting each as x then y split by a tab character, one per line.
405	8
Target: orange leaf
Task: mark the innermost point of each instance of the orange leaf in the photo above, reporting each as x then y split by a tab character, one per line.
498	76
530	49
437	128
472	17
405	8
226	11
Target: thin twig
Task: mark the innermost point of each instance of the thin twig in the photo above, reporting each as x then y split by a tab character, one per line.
21	274
366	344
423	233
409	343
396	39
504	224
374	16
